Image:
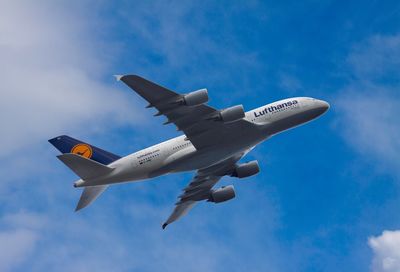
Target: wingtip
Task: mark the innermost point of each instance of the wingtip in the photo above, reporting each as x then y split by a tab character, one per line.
118	77
55	139
164	225
80	206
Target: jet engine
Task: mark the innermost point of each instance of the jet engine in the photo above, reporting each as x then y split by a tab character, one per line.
222	194
232	114
246	169
196	98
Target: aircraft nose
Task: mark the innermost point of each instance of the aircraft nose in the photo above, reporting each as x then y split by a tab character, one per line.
321	106
325	105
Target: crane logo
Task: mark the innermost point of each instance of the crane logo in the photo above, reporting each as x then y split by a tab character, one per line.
83	150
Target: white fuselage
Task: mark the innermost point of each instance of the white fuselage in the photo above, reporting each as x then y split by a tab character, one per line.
178	154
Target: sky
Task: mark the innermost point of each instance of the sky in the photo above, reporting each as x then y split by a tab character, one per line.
327	197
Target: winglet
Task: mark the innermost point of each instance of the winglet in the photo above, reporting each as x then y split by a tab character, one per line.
164	225
118	77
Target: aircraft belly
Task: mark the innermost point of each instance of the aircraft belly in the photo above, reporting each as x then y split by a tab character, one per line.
197	161
291	121
129	169
228	144
206	158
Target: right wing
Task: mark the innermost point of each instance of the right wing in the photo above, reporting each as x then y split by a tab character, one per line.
200	187
197	122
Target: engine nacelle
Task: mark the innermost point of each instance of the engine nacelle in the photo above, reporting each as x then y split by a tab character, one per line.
246	169
222	194
232	114
196	98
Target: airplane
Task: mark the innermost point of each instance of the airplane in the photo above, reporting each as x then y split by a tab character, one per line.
212	144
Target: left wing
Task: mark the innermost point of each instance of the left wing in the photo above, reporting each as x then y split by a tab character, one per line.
200	187
198	122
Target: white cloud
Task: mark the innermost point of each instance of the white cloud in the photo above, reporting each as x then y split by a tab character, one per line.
371	125
377	57
52	69
130	238
18	238
15	247
369	105
52	73
386	249
369	110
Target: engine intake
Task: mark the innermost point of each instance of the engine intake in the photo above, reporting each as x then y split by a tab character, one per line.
246	169
222	194
232	114
196	98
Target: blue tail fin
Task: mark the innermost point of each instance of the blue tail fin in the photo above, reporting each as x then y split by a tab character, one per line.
66	144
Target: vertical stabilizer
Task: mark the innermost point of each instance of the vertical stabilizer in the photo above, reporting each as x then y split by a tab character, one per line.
87	161
66	144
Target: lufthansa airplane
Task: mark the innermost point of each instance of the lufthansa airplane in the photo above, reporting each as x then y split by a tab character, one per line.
213	143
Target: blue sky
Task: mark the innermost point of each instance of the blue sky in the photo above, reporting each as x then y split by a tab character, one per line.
327	197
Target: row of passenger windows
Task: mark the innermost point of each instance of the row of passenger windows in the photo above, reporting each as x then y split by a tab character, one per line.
276	111
181	146
146	159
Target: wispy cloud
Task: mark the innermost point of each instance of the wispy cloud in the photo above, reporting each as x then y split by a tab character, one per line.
130	237
54	82
369	110
369	105
376	58
51	76
386	248
19	235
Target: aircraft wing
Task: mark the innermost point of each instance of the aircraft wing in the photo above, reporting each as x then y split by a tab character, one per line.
194	121
200	187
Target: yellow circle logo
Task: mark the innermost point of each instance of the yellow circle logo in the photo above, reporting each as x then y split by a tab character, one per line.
83	150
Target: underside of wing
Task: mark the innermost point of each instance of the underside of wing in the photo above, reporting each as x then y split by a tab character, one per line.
188	112
200	188
179	211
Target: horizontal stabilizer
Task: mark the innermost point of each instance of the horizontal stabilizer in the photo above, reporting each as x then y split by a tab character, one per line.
84	168
89	195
